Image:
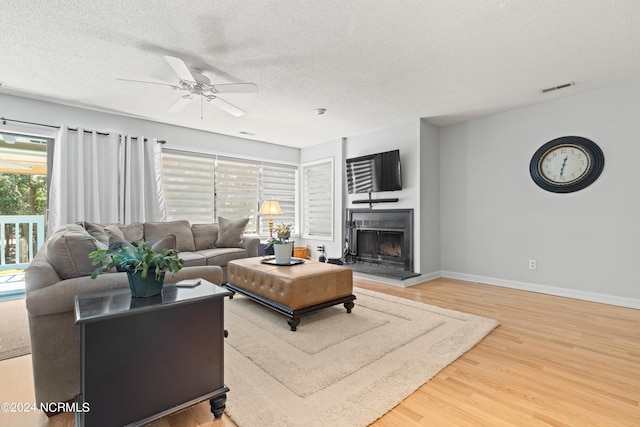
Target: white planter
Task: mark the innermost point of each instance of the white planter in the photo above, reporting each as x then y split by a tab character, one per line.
283	252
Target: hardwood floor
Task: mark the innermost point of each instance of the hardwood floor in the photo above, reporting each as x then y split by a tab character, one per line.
552	362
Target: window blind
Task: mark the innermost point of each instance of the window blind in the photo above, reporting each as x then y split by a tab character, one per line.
318	199
200	187
279	183
188	181
237	190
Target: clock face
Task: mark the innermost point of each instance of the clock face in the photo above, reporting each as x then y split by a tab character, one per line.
566	164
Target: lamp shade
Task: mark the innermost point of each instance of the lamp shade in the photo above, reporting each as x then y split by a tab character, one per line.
270	207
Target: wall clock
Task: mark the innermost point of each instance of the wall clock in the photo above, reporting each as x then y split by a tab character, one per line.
566	164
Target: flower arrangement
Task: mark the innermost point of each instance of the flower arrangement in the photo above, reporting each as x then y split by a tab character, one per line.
283	231
136	257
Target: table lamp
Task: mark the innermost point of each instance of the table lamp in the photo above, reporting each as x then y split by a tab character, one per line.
270	207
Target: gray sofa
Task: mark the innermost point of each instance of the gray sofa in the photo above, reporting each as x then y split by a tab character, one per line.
61	270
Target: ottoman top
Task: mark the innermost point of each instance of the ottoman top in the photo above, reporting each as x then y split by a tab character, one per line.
308	268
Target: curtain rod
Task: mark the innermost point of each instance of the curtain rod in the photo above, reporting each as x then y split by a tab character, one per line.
5	120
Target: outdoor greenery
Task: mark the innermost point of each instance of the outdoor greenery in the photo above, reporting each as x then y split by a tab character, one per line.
22	194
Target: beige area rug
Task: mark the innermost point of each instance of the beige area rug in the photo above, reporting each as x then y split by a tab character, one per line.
14	329
338	369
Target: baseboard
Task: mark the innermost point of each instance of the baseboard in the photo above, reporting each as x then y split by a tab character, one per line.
544	289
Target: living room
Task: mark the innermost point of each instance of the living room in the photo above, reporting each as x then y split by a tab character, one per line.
479	220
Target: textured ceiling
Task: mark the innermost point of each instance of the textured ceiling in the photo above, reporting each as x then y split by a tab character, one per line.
370	63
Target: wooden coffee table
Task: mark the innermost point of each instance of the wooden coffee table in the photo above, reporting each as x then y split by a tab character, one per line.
295	290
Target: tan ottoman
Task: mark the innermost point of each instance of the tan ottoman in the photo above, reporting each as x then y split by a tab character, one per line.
294	290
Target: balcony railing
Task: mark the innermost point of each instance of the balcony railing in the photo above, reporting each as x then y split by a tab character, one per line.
20	238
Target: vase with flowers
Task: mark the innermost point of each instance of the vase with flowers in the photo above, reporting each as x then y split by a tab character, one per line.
282	247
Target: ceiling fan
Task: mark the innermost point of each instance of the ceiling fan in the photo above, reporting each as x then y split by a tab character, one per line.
201	85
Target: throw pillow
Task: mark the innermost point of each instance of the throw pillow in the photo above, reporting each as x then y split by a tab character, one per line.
167	242
230	232
96	230
154	231
116	242
133	232
68	251
114	229
204	235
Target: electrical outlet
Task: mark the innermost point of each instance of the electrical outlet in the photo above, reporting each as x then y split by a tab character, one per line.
533	264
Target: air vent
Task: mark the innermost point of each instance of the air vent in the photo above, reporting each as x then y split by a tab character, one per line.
551	89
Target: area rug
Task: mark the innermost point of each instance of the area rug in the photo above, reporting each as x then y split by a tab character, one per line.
338	369
14	329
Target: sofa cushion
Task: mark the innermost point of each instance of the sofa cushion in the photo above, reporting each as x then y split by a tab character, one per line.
204	235
167	242
230	232
221	256
193	259
68	251
154	231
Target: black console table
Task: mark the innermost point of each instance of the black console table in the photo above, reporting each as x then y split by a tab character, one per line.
145	358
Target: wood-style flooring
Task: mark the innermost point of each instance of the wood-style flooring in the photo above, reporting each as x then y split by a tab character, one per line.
552	362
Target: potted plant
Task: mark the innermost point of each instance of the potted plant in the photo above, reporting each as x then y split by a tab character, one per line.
282	247
145	268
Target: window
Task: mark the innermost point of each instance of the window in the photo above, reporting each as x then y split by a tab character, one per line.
188	186
200	187
279	183
237	190
317	181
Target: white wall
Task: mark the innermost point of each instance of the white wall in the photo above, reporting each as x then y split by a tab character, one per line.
429	218
494	218
177	137
406	137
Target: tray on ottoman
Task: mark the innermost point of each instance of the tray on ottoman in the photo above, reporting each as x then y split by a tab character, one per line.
294	291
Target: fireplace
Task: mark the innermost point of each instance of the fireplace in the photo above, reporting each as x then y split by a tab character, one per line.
380	242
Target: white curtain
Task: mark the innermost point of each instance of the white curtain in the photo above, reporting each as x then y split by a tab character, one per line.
143	195
84	178
104	179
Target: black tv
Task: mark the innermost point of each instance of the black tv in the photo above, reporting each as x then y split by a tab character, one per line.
374	173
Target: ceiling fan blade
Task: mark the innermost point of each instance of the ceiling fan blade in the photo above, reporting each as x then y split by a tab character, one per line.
150	83
180	104
236	88
224	105
179	67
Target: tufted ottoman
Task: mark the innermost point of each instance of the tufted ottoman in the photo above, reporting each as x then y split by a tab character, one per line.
294	290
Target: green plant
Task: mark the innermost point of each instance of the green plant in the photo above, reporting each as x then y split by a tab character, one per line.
283	231
134	258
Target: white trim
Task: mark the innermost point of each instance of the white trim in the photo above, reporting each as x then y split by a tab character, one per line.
230	155
544	289
512	284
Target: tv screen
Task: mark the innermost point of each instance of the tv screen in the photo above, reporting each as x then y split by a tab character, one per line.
374	172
